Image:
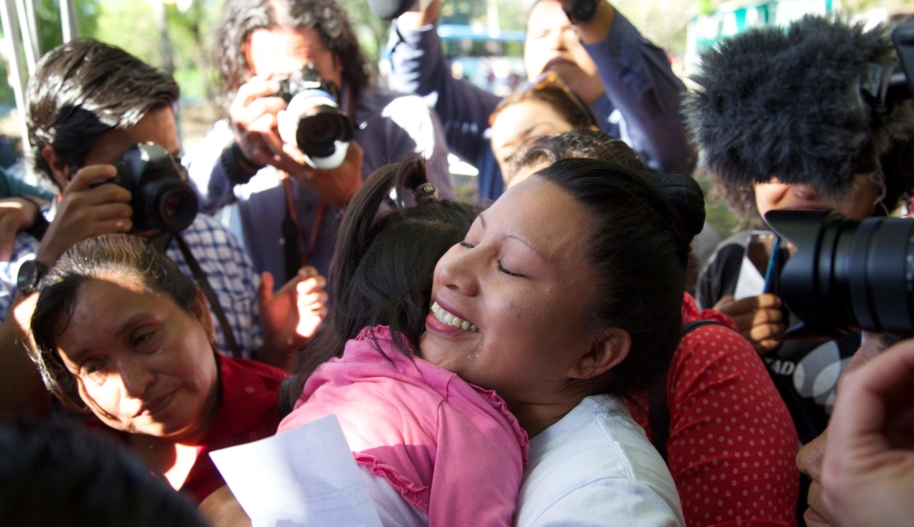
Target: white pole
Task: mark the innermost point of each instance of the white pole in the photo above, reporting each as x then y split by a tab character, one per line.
68	20
29	28
13	44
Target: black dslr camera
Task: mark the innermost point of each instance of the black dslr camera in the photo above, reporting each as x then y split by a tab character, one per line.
313	120
160	195
849	275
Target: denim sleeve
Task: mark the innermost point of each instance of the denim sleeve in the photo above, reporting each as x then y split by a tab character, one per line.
418	66
640	83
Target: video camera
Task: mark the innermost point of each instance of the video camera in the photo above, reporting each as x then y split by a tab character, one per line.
161	198
849	275
313	120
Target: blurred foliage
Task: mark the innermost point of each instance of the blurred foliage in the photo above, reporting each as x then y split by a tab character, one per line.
50	33
49	28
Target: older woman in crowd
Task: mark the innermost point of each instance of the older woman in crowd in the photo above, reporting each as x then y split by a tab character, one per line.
124	337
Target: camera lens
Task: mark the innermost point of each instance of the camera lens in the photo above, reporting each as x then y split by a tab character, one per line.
847	275
173	206
318	133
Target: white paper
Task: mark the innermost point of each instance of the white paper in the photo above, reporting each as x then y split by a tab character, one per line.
750	281
304	477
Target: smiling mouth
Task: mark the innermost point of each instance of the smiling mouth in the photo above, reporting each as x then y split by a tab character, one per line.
447	318
156	405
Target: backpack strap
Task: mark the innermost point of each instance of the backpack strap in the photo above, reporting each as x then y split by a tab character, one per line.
658	411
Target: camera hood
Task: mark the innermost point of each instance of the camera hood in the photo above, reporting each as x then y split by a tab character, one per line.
846	275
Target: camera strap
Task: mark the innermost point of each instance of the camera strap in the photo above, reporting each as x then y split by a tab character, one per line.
211	297
296	253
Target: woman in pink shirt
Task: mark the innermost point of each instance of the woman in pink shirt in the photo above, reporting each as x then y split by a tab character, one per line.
416	426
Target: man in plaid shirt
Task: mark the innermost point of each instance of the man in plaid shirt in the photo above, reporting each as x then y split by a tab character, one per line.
88	103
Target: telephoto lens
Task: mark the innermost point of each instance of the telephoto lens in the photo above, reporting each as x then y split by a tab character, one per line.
846	275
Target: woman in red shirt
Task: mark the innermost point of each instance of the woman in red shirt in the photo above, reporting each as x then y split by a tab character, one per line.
124	335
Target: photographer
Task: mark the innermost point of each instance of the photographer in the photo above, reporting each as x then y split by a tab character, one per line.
91	105
289	209
625	80
782	131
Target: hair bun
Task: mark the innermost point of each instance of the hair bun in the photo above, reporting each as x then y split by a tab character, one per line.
687	198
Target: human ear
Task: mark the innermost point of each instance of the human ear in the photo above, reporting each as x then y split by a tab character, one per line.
201	313
59	170
604	355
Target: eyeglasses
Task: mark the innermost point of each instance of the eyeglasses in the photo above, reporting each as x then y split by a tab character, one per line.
543	81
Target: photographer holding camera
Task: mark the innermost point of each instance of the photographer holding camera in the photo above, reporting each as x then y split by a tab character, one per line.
805	120
102	127
304	127
783	133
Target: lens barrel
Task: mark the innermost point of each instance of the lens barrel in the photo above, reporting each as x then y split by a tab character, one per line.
160	196
846	275
171	204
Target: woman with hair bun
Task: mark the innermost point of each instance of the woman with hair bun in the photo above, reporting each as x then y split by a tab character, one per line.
531	306
727	436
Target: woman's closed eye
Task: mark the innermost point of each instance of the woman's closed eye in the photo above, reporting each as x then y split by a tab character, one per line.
507	272
466	245
144	338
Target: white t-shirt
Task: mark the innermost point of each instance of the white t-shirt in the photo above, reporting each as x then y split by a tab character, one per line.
596	467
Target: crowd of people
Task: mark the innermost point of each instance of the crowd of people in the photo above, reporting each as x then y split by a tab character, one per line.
553	354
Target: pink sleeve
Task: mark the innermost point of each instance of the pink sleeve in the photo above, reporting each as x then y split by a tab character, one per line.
478	471
732	443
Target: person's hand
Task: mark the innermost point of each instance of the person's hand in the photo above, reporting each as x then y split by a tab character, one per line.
758	319
335	186
597	30
222	509
868	471
84	212
291	316
16	214
253	116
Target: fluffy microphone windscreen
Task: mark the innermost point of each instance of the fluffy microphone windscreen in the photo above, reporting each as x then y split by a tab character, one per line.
788	103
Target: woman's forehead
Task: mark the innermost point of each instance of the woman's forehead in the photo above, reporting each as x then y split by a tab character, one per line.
543	214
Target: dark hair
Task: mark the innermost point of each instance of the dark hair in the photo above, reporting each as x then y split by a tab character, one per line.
639	248
581	144
796	104
241	17
83	88
55	473
383	265
118	255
